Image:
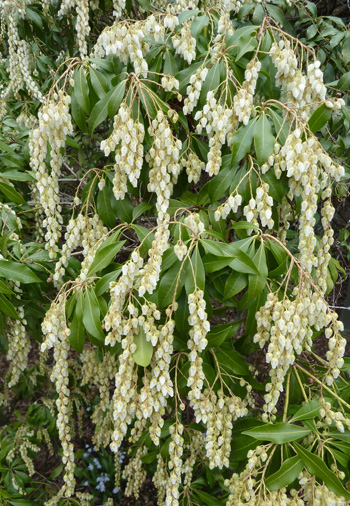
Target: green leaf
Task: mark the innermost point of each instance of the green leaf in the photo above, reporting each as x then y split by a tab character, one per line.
235	283
319	118
278	433
242	142
105	210
140	209
219	184
7	307
264	141
104	256
217	335
144	349
11	193
91	315
170	65
195	275
4	288
107	105
318	468
309	410
213	263
344	82
287	473
243	263
232	362
77	334
211	82
81	89
34	17
17	272
167	285
198	24
102	284
99	82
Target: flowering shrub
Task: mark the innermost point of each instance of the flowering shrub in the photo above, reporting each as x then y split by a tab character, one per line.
166	215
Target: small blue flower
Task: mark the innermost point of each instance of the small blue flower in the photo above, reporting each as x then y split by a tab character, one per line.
90	467
116	490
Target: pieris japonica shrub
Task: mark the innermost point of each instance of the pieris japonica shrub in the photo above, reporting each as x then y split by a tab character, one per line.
166	216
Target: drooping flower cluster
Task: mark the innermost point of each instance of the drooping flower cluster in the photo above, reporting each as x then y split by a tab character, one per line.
19	345
305	91
82	21
54	126
287	326
175	464
185	44
260	206
127	142
194	166
56	335
129	41
163	159
135	474
81	231
243	105
194	89
216	119
197	342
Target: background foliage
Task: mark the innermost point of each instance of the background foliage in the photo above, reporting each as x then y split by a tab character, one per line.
162	261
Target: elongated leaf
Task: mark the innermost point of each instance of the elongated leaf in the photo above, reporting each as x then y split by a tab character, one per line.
4	288
195	276
11	193
77	334
104	256
81	90
107	105
17	272
140	209
278	433
235	283
264	141
7	307
232	362
309	410
243	263
242	142
99	82
213	263
217	335
170	65
219	185
102	284
91	315
319	118
318	468
105	211
198	24
167	286
287	473
211	82
144	349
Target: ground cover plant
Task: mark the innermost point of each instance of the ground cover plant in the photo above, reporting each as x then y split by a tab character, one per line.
170	172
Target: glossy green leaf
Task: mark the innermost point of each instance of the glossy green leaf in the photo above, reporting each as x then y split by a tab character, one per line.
235	283
99	82
264	141
81	89
195	276
17	272
169	286
102	284
104	256
144	349
211	82
220	333
278	433
319	118
318	468
243	263
7	307
287	473
91	315
11	193
77	334
232	362
242	142
108	104
309	410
